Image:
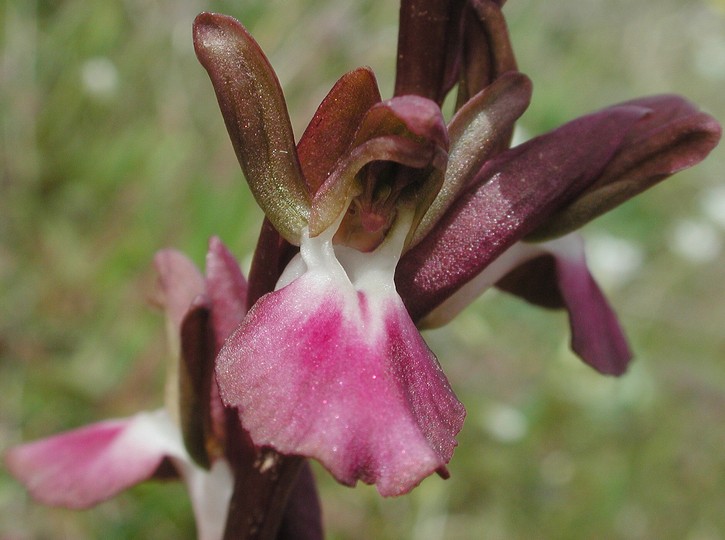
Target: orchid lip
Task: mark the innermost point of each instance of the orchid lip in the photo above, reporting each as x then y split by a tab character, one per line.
330	366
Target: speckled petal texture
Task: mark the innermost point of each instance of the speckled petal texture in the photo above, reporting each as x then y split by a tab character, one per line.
333	368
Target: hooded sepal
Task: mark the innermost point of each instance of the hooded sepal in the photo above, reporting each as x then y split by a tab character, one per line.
408	131
332	130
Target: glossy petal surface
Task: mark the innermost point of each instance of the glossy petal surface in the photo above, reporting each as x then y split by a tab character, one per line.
672	136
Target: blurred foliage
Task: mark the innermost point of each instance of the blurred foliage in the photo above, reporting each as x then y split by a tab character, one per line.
113	147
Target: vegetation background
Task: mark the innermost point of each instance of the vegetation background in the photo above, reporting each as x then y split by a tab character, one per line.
113	147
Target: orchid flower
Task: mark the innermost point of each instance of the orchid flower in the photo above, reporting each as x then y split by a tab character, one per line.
382	217
192	437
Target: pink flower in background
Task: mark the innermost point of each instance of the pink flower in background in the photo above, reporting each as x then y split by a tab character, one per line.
86	466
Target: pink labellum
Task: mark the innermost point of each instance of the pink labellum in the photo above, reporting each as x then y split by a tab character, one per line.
331	366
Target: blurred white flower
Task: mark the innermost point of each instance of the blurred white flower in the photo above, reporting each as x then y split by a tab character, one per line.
613	260
99	76
505	423
712	204
695	241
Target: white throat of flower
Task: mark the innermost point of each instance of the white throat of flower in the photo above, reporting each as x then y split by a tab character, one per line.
371	272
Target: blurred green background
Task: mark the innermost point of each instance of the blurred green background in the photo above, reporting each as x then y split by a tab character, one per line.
113	148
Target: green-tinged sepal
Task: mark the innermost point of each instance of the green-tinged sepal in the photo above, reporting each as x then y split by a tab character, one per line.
257	120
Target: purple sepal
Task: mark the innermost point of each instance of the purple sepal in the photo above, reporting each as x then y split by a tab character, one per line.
672	136
596	335
511	196
257	120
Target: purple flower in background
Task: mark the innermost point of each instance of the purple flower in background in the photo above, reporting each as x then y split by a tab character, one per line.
382	217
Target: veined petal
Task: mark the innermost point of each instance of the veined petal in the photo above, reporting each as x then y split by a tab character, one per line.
83	467
330	366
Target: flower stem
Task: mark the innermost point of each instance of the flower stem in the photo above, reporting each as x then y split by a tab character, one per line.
260	497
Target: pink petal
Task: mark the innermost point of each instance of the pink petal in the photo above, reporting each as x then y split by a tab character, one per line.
337	371
180	283
83	467
226	288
